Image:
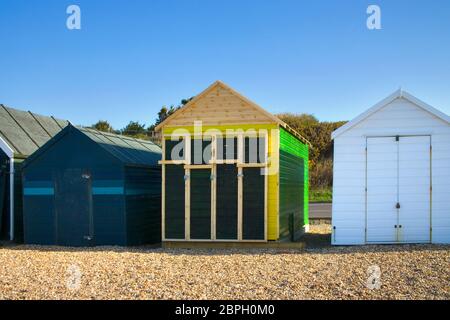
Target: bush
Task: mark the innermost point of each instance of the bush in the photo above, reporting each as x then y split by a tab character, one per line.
321	175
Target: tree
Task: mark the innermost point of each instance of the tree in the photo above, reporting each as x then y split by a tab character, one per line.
321	153
103	125
135	129
165	112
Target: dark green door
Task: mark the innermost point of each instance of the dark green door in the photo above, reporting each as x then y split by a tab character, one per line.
73	206
227	202
253	201
200	218
174	202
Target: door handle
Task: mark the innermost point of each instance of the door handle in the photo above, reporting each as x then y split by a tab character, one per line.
397	206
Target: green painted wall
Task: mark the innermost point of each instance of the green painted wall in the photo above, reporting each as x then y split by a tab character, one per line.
294	185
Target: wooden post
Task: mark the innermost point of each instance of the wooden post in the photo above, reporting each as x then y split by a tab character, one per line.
187	190
240	184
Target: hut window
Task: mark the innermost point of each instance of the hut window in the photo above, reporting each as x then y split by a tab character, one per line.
254	150
227	148
201	150
175	149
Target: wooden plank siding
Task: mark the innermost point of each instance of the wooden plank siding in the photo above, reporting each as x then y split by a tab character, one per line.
273	155
221	111
220	106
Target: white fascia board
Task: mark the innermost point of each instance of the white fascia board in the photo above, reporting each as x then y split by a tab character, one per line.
6	148
426	107
366	114
396	95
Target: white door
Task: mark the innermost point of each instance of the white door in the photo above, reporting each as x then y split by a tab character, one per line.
382	189
414	189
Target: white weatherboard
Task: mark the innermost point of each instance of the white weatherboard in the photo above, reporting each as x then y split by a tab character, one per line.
382	189
414	189
398	189
422	177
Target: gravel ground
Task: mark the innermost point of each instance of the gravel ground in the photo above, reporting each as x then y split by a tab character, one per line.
322	272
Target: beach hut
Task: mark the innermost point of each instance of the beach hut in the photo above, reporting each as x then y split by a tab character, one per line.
21	134
86	188
231	172
392	175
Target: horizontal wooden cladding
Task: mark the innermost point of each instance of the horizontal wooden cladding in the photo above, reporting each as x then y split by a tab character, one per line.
220	106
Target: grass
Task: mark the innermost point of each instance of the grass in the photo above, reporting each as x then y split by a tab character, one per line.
320	195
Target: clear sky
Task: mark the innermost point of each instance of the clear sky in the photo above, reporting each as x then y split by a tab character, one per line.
133	56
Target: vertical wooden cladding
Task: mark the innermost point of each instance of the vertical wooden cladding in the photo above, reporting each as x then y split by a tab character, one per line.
220	202
174	202
227	148
244	190
200	150
227	202
174	149
200	209
73	206
143	205
253	203
254	149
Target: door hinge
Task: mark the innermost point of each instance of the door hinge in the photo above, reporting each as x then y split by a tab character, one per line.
397	138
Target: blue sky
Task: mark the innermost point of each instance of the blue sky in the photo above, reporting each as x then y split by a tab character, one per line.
133	56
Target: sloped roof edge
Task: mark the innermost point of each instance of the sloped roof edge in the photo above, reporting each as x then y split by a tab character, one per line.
119	155
253	104
380	105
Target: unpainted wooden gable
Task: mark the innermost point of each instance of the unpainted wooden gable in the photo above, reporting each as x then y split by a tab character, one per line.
220	106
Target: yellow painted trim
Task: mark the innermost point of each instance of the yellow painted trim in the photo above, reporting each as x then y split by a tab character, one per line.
273	186
182	130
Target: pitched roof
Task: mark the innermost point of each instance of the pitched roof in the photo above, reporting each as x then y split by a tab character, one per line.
128	150
24	132
399	94
218	83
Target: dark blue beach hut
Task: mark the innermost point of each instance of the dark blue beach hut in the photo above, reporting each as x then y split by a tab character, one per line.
88	188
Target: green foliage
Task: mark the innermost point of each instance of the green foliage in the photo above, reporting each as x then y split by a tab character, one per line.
321	154
103	125
320	195
165	112
135	129
321	174
318	133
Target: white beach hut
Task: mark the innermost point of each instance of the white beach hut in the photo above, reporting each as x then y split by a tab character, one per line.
392	175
